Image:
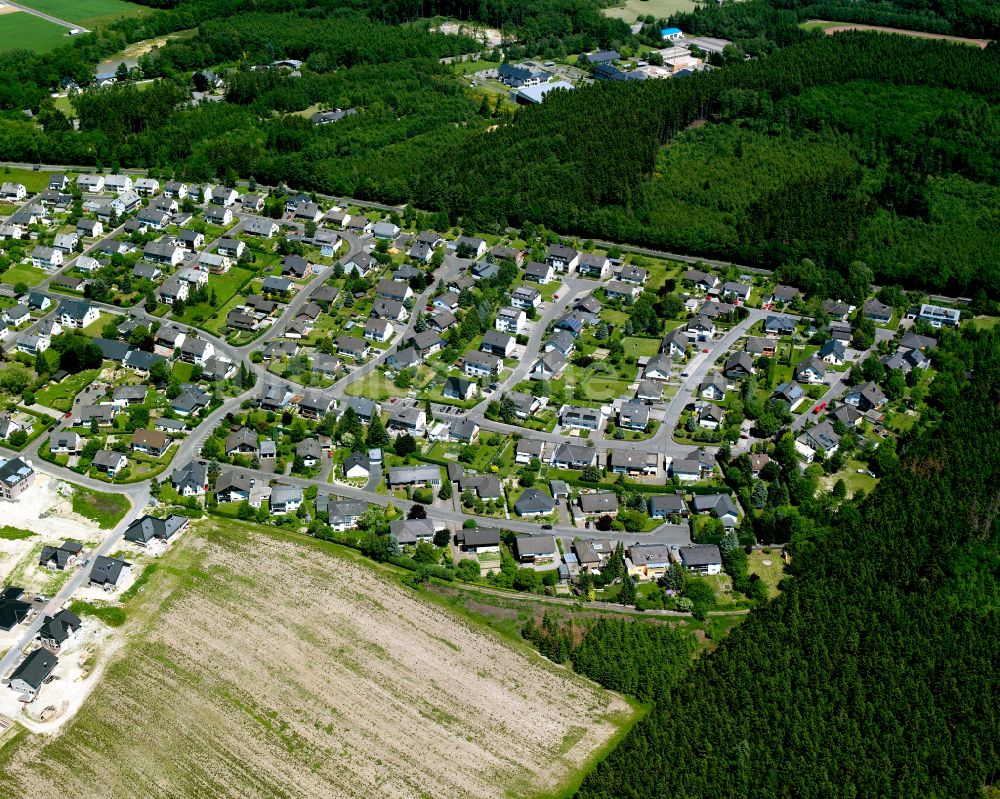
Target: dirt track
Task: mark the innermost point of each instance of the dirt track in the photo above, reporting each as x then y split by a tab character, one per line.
268	668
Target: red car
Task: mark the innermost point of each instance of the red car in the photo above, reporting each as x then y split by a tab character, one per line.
819	407
705	350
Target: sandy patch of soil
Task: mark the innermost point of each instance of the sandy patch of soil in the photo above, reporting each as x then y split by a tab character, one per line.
493	37
8	9
81	663
47	510
273	668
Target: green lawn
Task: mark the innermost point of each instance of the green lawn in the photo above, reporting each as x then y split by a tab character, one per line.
14	533
105	509
88	13
33	181
60	395
225	286
769	566
640	347
24	273
21	31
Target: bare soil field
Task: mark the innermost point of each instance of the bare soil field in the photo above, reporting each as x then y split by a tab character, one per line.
258	665
832	28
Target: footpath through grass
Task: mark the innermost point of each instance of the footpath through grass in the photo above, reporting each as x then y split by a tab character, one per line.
105	509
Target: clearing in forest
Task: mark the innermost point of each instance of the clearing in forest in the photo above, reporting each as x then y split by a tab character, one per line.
264	665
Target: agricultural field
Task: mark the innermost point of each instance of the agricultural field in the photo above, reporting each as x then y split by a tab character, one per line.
660	9
86	13
22	31
349	686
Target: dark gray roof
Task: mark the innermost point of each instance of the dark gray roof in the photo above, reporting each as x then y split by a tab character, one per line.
143	530
35	668
534	500
107	570
706	555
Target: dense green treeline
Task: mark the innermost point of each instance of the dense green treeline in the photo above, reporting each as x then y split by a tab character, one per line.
635	658
874	673
766	22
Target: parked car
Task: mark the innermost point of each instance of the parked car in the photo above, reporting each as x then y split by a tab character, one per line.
546	526
819	407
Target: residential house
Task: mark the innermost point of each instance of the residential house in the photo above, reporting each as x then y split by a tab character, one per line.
190	480
711	417
525	297
468	246
510	320
197	351
649	391
593	265
528	448
648	561
665	506
714	388
701	280
701	328
152	442
352	347
878	312
832	352
779	326
479	540
77	314
574	456
497	343
344	514
633	462
703	559
464	430
562	258
58	629
657	368
46	258
536	548
581	418
631	274
60	557
759	346
822	437
260	226
720	506
163	253
481	364
602	503
549	366
393	290
938	316
145	529
65	242
109	462
865	397
65	442
738	365
781	295
687	469
35	670
633	416
242	442
534	502
230	248
413	476
738	292
619	289
285	499
811	371
407	420
459	388
791	395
